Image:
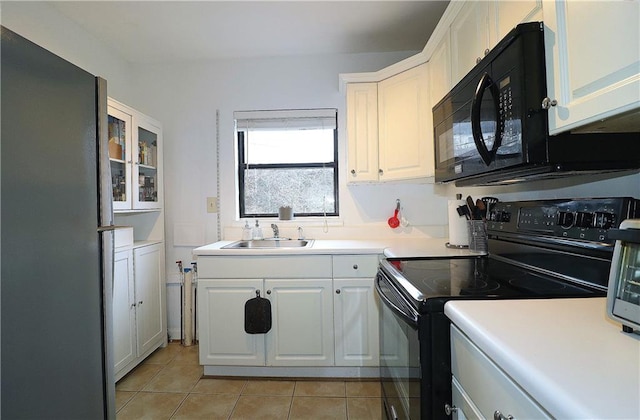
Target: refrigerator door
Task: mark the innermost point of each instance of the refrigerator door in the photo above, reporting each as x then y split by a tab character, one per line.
53	306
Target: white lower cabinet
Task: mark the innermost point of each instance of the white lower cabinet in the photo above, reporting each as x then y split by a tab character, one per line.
301	331
481	389
138	327
302	313
223	340
124	318
355	310
317	321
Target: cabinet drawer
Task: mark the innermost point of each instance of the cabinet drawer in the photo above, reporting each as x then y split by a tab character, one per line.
355	266
263	266
486	384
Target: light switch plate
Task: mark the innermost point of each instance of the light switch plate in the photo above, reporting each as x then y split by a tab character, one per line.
212	204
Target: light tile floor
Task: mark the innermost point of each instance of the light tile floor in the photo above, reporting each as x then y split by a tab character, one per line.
169	385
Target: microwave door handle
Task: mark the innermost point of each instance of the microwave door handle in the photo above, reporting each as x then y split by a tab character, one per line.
476	105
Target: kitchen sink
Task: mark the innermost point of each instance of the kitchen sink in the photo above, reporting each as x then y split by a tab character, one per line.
270	243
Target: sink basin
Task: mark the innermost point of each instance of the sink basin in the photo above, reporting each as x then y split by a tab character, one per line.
270	243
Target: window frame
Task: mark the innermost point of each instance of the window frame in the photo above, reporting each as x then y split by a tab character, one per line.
242	166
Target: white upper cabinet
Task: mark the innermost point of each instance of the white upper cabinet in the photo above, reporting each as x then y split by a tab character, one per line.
507	14
471	38
480	25
362	129
593	60
389	128
440	70
135	155
405	136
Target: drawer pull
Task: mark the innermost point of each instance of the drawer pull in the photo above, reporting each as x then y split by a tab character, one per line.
450	409
497	415
355	266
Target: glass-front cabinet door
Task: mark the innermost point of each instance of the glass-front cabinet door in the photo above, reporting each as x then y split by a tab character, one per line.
146	181
120	132
135	156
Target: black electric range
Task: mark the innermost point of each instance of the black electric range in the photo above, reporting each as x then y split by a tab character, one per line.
537	249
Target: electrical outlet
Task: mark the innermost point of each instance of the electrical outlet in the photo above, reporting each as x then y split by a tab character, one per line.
212	204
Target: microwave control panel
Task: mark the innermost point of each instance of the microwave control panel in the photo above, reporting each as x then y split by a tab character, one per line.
579	219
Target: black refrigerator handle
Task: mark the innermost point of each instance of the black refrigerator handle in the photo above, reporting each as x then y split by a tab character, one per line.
476	106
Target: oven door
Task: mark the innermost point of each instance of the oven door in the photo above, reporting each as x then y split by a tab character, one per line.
399	353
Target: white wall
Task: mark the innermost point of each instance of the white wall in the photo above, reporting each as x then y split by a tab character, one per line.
185	98
41	23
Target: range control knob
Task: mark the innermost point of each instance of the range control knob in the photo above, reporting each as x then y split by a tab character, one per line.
584	219
604	220
566	219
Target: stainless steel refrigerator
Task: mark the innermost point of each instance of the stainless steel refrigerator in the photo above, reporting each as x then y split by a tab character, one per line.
57	242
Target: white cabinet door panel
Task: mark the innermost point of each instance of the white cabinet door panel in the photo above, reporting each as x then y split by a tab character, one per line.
405	133
223	340
149	320
362	131
470	38
593	60
509	13
124	332
302	333
356	322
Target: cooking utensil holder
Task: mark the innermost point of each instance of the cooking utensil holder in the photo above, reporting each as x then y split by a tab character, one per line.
477	231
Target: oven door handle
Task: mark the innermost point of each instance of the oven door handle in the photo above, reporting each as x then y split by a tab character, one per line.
409	318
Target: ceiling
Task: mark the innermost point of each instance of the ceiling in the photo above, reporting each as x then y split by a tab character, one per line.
169	31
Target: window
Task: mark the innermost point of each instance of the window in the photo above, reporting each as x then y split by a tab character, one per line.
287	158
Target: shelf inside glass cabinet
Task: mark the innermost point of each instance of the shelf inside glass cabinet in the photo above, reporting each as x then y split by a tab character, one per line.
147	166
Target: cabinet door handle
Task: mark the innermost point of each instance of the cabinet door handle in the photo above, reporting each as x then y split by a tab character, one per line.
548	103
268	291
139	302
133	305
353	172
478	59
380	171
486	51
497	415
450	409
337	291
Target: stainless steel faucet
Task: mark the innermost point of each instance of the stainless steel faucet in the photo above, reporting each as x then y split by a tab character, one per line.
276	231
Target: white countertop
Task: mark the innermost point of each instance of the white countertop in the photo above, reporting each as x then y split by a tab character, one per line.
392	248
566	353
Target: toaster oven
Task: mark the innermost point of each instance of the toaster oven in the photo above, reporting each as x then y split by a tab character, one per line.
623	295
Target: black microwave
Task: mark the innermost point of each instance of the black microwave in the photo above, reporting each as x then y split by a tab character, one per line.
492	128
